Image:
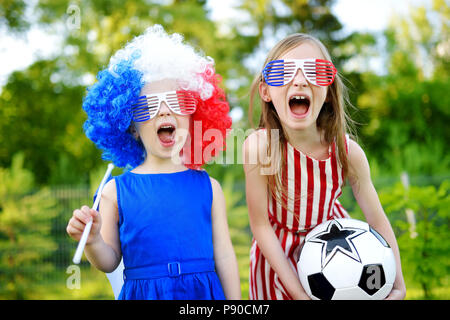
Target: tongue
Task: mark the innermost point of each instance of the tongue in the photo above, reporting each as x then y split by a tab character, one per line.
165	136
299	108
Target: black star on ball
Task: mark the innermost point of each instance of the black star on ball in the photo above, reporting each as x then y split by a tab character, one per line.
338	238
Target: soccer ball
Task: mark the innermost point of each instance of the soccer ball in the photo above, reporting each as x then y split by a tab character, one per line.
346	259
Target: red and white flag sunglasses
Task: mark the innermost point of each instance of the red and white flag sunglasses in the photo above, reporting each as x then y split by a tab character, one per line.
147	107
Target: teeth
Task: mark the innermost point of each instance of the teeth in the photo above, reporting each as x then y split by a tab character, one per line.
299	97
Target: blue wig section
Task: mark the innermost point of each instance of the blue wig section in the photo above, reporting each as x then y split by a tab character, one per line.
108	107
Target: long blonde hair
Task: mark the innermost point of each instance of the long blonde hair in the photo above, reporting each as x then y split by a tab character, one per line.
332	120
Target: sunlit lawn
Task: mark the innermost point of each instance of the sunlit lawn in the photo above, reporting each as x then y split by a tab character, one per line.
95	285
414	292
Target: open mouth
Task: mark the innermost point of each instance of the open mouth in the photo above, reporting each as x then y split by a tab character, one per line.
166	134
299	105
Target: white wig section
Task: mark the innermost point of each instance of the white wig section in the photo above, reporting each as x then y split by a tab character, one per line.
162	56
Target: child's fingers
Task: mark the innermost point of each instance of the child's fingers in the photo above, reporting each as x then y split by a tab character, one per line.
73	232
77	225
91	214
75	228
80	218
95	215
85	214
97	221
86	211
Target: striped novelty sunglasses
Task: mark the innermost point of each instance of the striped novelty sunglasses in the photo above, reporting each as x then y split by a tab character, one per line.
317	71
147	107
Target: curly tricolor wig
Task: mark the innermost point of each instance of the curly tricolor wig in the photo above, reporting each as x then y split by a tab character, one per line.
152	56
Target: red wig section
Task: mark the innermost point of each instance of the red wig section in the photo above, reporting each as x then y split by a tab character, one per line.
209	126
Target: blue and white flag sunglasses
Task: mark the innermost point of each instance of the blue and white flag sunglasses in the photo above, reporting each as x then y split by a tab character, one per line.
318	72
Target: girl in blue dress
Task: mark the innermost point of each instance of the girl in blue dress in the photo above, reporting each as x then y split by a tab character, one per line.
165	216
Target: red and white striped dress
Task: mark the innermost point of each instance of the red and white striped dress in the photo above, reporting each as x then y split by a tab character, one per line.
313	187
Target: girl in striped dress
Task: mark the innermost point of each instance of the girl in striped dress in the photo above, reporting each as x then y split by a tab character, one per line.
296	163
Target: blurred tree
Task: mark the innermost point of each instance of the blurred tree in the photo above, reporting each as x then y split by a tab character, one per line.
424	252
40	115
12	14
307	16
408	108
24	231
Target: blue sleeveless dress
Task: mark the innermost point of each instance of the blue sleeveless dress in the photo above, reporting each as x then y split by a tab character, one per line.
166	236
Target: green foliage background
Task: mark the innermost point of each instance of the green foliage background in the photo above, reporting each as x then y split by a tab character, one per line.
48	167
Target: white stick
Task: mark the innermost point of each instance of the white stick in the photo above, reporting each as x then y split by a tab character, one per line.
87	228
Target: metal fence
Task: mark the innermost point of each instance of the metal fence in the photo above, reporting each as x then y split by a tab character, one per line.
67	198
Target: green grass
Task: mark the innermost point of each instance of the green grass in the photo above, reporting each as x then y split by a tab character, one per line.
243	259
93	286
415	292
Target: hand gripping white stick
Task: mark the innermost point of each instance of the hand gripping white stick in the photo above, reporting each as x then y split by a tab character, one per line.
87	228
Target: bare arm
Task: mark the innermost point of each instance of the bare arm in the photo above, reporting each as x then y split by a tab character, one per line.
256	192
367	198
224	256
103	244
